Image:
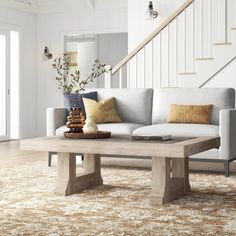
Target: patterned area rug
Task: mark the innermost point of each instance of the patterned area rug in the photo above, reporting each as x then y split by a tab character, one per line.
119	207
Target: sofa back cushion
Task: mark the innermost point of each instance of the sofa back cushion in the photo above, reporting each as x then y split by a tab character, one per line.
133	105
221	98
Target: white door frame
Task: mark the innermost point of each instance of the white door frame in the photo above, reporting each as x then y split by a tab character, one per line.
7	136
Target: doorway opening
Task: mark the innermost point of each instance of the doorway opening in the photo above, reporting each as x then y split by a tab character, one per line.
9	85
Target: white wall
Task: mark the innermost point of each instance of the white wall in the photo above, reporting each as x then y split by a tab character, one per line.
86	57
107	16
111	49
26	23
138	26
225	78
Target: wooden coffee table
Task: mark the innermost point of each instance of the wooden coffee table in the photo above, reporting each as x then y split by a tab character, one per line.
170	165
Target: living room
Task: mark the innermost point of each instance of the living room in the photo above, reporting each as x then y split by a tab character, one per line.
138	142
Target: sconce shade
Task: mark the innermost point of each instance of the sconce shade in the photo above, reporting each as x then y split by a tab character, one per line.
151	13
47	54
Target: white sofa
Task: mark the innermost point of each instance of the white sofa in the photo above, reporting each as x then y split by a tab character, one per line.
145	111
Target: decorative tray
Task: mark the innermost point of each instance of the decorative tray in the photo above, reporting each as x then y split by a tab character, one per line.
99	134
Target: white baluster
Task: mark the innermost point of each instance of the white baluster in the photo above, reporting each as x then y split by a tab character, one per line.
148	65
120	78
210	28
172	54
160	62
185	41
128	74
234	14
136	64
177	51
189	39
222	21
201	20
108	77
207	42
152	63
194	26
226	21
144	67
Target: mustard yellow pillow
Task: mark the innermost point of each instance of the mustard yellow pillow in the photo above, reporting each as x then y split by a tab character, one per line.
103	111
198	114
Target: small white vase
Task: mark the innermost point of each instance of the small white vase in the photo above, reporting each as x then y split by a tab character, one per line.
90	127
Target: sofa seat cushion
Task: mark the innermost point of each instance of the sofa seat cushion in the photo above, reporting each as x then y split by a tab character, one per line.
114	128
119	128
179	130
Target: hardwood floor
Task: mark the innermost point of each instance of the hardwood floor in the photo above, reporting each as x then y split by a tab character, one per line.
11	155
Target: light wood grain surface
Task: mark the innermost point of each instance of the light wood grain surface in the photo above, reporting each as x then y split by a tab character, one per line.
11	155
123	145
170	164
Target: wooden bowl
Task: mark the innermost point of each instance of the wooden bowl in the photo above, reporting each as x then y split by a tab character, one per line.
99	134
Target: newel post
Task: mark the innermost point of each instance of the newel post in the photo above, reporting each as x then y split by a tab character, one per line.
108	77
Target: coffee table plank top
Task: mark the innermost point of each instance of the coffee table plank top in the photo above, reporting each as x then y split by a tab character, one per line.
123	145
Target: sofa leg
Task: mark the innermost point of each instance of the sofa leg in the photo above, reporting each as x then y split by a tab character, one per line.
50	159
226	164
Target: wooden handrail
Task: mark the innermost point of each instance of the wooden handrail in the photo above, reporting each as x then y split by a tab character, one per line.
151	36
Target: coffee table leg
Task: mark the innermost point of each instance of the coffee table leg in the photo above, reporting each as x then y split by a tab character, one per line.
167	187
180	169
160	180
68	182
66	174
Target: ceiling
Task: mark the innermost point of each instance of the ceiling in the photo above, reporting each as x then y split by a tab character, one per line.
45	6
36	4
36	1
44	2
24	1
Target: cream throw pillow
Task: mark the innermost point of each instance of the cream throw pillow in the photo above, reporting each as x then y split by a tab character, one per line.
197	114
103	111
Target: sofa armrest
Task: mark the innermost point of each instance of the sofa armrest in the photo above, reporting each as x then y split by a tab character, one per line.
228	133
55	117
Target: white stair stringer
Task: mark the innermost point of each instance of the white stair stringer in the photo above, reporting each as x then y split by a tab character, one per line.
206	69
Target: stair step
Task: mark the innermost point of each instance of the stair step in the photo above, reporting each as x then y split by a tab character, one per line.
205	58
187	73
222	44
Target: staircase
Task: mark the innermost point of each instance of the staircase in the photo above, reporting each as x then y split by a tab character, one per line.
187	50
207	68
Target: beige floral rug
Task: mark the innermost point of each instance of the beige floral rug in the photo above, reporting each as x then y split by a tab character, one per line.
119	207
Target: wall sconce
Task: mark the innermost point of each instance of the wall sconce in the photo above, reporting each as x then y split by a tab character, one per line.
47	54
151	14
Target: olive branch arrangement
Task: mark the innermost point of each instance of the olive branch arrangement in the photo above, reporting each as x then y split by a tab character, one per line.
69	80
